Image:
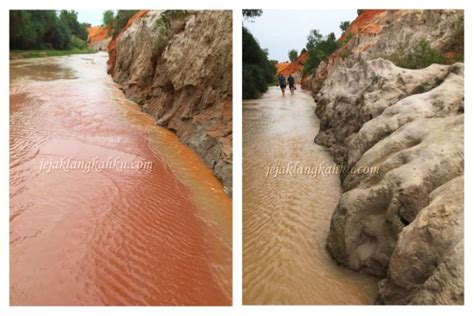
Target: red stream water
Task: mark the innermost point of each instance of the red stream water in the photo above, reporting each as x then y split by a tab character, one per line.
105	207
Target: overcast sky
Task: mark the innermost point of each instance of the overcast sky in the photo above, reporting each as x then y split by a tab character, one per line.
93	17
282	30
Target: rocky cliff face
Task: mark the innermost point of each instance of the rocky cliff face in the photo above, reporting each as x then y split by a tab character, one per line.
178	67
401	133
98	38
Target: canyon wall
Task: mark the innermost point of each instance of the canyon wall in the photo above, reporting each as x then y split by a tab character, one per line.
400	132
98	38
177	65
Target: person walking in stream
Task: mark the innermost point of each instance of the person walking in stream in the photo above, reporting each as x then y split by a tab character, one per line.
282	83
291	83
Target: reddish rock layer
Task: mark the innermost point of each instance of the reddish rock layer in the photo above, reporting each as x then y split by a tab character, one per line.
113	42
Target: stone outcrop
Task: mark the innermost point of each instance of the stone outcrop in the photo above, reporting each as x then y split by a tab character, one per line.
399	135
98	38
182	76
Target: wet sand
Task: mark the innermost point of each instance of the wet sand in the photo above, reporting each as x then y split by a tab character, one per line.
286	216
117	235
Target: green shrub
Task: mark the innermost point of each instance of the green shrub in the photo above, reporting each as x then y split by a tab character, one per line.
252	79
419	57
121	19
168	20
346	40
53	52
76	42
167	17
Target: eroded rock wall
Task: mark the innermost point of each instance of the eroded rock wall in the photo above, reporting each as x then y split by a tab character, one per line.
401	132
98	38
183	77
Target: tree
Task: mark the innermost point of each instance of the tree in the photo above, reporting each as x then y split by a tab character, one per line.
60	37
23	34
257	70
344	25
319	48
36	29
44	29
292	55
328	45
314	38
251	14
108	18
69	20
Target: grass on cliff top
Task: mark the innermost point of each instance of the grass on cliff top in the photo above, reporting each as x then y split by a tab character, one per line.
423	55
170	22
420	57
15	54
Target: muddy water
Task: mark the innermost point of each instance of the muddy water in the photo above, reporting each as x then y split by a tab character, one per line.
105	207
286	216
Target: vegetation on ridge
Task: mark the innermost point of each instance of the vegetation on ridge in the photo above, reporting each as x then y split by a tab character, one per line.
319	48
170	22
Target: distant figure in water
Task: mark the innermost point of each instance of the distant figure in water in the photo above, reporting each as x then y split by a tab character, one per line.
282	82
291	83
